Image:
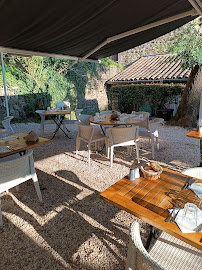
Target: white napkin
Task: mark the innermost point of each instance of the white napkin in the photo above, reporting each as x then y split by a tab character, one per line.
186	225
11	138
4	149
196	188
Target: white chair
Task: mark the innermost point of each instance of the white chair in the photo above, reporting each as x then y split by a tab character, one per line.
61	104
43	121
89	135
106	112
149	129
167	253
7	125
194	172
16	171
84	119
123	136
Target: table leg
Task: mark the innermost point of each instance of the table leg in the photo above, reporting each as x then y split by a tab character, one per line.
59	127
152	233
99	151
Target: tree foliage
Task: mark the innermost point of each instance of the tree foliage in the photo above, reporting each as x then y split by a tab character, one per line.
186	43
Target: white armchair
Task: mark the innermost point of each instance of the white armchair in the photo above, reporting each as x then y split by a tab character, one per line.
16	171
149	129
167	253
123	136
106	112
89	135
194	172
7	124
84	119
43	121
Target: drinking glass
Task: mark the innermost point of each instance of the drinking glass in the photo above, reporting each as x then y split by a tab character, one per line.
190	213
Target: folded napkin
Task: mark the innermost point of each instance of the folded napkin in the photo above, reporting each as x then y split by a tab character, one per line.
196	188
186	225
10	138
32	136
4	149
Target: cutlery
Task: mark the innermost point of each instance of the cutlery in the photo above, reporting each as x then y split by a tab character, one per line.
193	181
174	218
187	183
170	215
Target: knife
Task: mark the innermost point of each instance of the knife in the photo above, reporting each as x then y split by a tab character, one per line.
187	183
172	211
174	218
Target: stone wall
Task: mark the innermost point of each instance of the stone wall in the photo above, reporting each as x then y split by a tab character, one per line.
149	48
95	98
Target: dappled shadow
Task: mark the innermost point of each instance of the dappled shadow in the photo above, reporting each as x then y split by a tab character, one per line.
59	228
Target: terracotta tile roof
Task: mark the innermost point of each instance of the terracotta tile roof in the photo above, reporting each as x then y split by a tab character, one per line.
154	68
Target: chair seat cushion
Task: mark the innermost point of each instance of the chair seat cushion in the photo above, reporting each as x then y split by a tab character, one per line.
173	254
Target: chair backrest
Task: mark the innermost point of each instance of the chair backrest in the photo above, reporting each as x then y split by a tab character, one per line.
61	104
106	112
85	132
7	125
194	172
16	171
123	134
154	123
84	119
137	257
145	122
77	113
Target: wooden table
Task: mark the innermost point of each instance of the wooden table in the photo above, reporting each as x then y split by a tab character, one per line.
196	135
58	121
115	123
19	145
150	201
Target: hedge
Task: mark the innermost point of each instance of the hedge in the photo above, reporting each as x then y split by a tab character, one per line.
127	98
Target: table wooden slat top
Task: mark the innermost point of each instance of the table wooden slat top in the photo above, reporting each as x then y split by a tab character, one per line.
150	201
20	145
58	112
194	134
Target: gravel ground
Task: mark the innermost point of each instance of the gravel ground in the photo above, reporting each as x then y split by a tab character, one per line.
75	229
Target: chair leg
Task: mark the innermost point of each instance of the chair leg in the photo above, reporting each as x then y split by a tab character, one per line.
1	222
112	155
107	147
77	145
89	154
152	142
137	152
157	143
36	185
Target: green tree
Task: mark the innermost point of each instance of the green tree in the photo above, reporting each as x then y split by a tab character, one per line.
187	44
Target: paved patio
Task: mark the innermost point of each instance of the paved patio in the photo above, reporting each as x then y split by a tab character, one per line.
75	229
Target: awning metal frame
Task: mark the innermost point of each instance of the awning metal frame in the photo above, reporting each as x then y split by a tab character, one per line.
191	12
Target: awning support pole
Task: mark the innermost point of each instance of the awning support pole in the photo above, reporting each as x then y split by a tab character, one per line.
4	80
191	12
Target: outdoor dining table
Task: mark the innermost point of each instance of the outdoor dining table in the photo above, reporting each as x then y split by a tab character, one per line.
196	135
58	117
18	144
150	201
115	123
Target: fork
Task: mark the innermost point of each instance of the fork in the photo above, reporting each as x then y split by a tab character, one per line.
170	215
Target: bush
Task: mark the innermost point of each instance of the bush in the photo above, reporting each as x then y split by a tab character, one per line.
127	98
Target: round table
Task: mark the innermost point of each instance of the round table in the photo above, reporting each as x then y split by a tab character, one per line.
108	122
114	123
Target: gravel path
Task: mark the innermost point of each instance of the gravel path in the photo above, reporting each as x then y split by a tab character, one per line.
75	229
